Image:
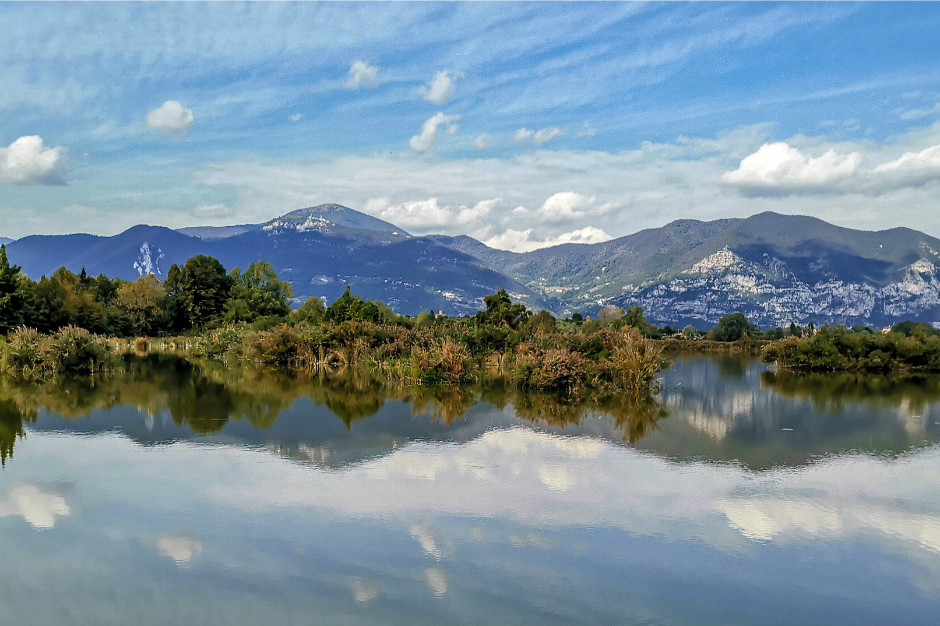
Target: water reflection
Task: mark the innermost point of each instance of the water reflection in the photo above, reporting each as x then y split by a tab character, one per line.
721	409
356	504
274	409
734	409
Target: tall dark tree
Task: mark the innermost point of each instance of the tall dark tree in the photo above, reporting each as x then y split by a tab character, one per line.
732	327
47	308
11	294
500	310
198	291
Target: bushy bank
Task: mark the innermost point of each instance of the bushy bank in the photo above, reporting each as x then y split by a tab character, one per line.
451	353
835	348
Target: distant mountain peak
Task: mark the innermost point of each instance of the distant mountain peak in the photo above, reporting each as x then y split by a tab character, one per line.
327	218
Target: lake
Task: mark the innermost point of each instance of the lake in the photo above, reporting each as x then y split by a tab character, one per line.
186	494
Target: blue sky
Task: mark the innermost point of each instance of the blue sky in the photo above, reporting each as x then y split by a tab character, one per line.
520	124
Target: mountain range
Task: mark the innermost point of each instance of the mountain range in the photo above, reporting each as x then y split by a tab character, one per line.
773	268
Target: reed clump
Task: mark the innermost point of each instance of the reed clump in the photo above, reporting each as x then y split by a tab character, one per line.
70	350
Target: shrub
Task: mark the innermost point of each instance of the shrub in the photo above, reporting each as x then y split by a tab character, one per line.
555	369
22	354
74	350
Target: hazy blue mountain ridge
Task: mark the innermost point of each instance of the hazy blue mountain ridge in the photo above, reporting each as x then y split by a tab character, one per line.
319	256
773	268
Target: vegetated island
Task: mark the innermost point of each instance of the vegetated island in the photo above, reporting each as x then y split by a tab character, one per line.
74	323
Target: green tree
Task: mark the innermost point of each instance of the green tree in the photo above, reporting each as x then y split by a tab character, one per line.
256	293
635	317
915	329
541	322
424	318
732	327
199	291
142	302
501	311
339	311
47	308
12	301
312	310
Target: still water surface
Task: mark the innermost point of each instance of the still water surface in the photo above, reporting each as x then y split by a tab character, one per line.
186	495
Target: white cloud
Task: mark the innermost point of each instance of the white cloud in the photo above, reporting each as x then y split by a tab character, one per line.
565	205
522	241
914	114
428	135
537	137
296	117
28	161
170	117
441	88
928	158
910	169
779	167
523	135
361	74
426	215
483	141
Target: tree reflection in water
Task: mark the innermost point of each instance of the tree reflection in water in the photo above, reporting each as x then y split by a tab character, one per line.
766	420
833	391
205	396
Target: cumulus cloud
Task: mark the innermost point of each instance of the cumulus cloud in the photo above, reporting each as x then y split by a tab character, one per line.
441	88
483	141
425	215
296	117
522	241
911	168
170	117
537	137
27	161
779	167
361	74
928	158
428	135
565	205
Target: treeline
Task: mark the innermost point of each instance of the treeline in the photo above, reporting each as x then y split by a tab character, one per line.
199	294
909	346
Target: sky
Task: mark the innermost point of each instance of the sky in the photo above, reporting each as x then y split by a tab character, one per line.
520	124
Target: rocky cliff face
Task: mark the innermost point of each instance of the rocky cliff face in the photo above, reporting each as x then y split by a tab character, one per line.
775	269
769	293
